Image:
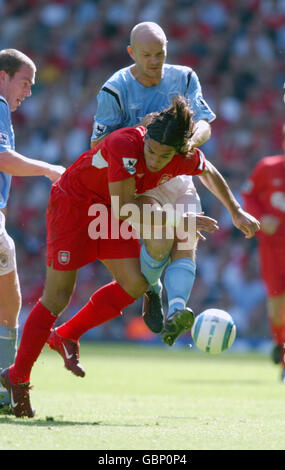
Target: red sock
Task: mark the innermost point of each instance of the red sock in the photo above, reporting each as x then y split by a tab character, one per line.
35	334
278	332
104	305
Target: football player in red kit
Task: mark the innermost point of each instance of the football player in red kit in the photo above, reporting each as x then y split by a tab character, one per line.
126	163
264	196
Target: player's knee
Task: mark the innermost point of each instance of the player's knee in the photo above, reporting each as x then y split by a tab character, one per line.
158	249
135	285
276	307
57	301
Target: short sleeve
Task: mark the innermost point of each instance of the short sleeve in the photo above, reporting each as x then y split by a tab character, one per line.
123	149
199	106
5	143
109	115
195	165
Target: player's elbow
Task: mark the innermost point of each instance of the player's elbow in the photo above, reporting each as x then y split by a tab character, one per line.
5	161
208	168
95	142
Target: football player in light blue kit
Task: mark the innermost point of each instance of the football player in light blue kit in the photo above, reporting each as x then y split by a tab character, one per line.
124	100
17	75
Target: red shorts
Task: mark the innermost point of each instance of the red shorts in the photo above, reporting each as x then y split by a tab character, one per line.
69	244
272	265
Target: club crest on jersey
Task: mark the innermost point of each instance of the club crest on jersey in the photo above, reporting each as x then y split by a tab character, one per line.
164	179
129	164
63	257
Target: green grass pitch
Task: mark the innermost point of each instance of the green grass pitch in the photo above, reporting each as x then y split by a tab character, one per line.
151	398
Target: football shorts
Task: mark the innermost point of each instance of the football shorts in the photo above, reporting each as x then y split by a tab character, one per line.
72	234
178	191
7	249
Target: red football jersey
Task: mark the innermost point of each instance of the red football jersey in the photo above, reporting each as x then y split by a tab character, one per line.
264	193
120	156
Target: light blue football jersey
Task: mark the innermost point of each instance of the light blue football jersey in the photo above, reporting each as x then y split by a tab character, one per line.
7	142
123	101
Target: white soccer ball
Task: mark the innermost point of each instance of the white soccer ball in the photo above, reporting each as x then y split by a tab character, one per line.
213	331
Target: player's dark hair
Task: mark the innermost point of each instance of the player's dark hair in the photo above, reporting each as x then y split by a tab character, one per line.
11	60
173	126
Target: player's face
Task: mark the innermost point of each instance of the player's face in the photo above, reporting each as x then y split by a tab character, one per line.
156	155
149	58
18	87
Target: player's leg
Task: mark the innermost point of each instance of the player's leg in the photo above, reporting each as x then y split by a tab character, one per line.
107	302
276	314
180	276
178	281
273	275
59	286
180	273
154	257
104	305
10	303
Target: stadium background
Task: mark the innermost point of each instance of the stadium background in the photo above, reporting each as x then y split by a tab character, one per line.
237	49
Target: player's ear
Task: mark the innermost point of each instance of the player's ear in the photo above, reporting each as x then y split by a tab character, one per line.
131	52
3	75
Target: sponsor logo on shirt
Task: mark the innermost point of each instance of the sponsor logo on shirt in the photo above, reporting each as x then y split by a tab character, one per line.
129	164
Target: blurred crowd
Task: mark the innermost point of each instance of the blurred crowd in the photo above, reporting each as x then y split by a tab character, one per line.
237	49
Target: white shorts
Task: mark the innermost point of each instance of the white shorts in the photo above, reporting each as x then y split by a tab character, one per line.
181	193
7	249
179	190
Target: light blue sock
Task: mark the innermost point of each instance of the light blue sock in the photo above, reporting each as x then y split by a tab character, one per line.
8	346
152	269
178	281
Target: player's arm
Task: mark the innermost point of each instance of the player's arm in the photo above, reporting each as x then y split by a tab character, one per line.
95	142
215	182
125	205
109	113
203	115
202	133
15	164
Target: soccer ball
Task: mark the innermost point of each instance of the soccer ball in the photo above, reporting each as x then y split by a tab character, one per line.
213	331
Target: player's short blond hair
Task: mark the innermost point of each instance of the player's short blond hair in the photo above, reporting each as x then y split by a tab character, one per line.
12	59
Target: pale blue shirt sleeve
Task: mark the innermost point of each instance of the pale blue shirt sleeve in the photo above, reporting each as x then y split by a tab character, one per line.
5	133
6	143
109	114
199	106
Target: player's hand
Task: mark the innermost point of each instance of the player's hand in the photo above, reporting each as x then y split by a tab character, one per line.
246	223
54	172
189	149
199	222
269	224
